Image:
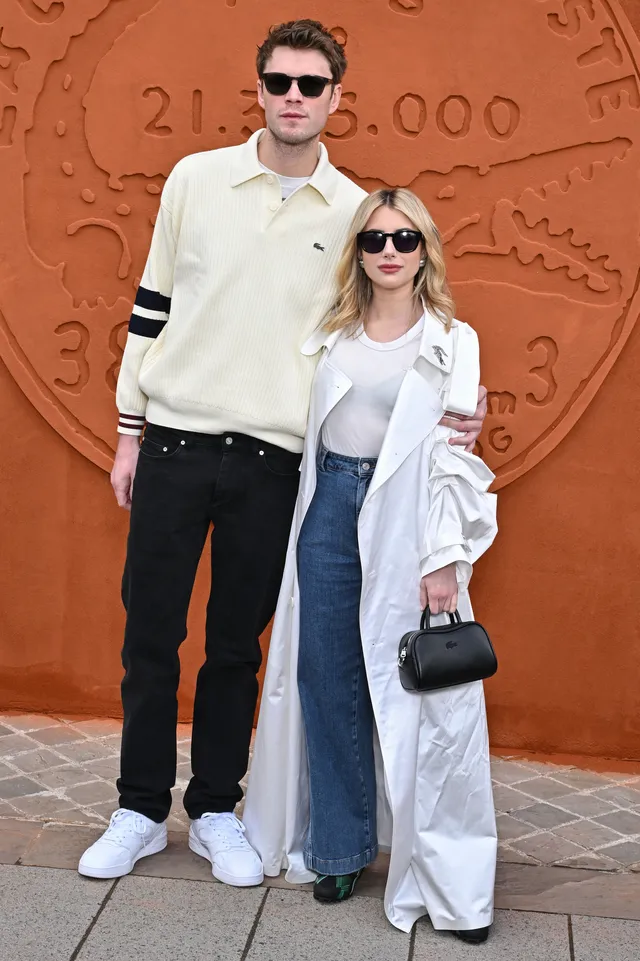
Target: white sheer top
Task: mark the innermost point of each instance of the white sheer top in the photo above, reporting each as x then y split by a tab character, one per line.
357	424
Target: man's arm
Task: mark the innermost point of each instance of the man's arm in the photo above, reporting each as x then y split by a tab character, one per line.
149	317
469	428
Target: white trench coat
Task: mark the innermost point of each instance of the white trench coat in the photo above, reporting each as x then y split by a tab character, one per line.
427	505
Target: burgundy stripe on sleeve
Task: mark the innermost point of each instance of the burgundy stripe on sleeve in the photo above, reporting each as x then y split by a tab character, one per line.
132	421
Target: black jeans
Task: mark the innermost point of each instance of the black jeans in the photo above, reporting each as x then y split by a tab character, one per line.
185	481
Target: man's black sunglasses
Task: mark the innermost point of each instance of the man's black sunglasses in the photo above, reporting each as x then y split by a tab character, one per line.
278	84
374	241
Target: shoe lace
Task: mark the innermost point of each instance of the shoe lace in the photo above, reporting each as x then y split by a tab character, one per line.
228	830
123	825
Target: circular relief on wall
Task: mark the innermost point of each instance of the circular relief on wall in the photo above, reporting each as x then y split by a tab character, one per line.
517	123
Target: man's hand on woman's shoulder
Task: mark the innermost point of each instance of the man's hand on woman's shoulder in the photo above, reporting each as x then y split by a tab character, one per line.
468	428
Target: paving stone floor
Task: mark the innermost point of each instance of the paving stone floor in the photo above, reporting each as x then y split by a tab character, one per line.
55	915
63	770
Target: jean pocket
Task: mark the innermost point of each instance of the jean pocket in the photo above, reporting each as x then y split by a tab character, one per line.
282	463
161	444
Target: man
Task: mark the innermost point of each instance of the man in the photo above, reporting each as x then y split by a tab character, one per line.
239	274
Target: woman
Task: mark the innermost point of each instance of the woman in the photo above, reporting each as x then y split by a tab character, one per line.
389	517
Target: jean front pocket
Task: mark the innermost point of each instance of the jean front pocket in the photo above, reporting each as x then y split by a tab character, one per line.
282	463
161	443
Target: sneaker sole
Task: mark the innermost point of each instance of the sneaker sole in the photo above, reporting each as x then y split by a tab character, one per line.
322	900
198	848
104	874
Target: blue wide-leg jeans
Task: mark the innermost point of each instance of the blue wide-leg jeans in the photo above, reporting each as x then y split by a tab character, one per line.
334	695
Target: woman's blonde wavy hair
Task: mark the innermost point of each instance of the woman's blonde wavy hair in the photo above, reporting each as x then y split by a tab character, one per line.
354	287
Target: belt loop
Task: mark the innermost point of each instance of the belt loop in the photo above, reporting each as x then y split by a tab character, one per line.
322	457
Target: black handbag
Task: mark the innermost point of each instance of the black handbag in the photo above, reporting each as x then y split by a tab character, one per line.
436	657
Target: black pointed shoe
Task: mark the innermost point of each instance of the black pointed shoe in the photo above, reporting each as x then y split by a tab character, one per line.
476	936
330	887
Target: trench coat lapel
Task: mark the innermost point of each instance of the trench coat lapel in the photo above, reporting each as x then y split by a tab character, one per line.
331	384
417	411
418	407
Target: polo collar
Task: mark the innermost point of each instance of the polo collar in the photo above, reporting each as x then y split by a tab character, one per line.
246	166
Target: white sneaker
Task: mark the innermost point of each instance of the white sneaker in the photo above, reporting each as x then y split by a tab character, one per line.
220	839
129	837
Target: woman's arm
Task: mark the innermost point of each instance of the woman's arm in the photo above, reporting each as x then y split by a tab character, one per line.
461	521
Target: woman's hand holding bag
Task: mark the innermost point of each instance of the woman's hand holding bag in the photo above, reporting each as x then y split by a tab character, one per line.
439	590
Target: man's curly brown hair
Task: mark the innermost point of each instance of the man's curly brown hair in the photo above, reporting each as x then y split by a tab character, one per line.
304	35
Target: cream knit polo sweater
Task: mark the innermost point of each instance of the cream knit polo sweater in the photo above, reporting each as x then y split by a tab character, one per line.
235	282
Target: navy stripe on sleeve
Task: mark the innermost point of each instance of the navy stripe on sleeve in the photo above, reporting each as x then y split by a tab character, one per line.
144	327
152	300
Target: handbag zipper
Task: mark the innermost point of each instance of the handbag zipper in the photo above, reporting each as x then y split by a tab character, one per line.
405	650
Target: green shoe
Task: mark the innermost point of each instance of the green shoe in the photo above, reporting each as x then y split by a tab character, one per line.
330	887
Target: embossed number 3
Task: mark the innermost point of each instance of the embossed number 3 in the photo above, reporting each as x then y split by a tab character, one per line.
77	354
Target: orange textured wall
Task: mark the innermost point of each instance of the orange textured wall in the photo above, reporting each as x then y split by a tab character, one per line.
519	124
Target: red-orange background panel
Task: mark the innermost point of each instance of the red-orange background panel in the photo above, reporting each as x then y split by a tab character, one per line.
558	592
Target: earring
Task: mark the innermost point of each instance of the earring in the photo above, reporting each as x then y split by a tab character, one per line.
423	262
361	261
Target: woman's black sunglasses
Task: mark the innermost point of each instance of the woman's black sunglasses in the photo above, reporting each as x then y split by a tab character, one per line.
374	241
309	85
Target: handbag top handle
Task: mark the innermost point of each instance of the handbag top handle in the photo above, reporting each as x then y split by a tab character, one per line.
426	617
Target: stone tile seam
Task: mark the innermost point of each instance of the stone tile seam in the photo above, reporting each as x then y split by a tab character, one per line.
529	775
85	937
75	726
37	746
66	722
46	791
513	812
99	819
510	848
596	847
412	943
92	777
572	950
30	843
59	721
59	794
560	771
254	927
584	792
